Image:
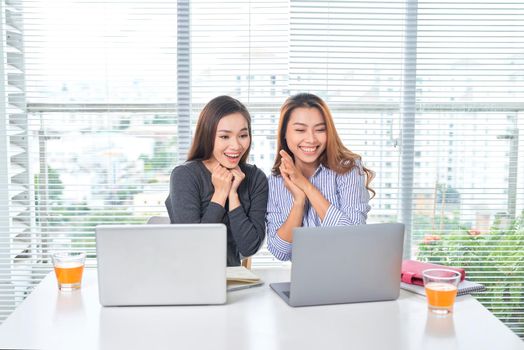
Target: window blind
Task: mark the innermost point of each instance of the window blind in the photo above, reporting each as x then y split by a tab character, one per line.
470	90
430	94
101	100
90	130
240	48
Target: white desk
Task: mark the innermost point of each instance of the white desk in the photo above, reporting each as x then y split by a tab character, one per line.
254	318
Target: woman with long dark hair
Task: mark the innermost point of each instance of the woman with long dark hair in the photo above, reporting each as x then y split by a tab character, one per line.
216	185
316	180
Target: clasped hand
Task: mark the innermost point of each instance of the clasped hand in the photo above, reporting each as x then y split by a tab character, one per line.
294	180
226	181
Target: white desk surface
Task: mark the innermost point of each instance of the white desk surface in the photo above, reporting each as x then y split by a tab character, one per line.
254	318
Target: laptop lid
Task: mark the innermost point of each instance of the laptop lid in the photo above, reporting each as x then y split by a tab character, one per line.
346	264
161	264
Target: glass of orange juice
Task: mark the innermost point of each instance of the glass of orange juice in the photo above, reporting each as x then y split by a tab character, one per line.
69	267
441	289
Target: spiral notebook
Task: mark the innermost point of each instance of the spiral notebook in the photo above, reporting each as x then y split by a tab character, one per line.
465	287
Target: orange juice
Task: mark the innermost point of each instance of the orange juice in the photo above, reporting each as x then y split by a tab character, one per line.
69	273
441	295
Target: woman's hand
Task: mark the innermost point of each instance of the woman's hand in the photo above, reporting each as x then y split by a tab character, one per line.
294	174
315	198
238	177
222	180
299	197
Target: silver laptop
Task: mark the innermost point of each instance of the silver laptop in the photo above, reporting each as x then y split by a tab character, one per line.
181	264
344	264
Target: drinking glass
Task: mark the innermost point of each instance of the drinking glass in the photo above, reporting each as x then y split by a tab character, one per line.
441	289
69	267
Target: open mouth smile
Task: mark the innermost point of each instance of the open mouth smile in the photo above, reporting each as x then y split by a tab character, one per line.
308	149
233	156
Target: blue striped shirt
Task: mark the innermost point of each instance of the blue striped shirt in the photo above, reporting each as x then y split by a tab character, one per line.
346	193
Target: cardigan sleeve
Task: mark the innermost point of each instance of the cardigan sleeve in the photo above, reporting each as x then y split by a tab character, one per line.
249	228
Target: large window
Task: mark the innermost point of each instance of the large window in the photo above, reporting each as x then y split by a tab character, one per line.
101	98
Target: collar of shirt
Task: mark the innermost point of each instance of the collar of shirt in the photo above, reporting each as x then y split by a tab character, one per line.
320	168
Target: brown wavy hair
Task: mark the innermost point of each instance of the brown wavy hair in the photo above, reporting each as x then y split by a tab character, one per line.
213	111
336	156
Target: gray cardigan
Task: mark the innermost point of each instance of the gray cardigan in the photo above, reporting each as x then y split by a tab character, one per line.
189	201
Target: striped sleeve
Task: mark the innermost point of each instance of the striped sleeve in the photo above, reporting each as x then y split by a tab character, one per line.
275	217
353	200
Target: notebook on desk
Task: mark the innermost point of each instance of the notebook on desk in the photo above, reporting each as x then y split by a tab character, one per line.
161	264
344	264
238	277
465	287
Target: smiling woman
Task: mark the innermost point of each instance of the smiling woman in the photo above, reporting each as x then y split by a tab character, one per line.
316	180
216	185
